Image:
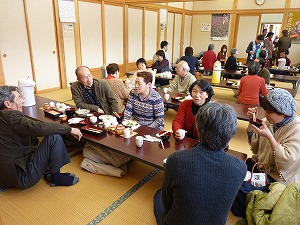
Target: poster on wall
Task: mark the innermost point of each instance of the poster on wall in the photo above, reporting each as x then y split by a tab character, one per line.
293	26
219	26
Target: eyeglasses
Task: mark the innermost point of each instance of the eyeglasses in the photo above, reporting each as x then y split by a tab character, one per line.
89	76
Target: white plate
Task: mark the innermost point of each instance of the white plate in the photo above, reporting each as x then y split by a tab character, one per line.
75	120
165	160
131	123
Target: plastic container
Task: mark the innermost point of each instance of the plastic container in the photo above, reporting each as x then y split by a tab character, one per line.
26	88
216	76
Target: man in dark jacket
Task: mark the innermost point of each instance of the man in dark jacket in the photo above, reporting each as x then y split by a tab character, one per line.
94	95
284	43
22	161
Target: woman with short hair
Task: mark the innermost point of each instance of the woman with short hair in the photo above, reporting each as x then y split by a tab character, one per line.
276	142
161	64
184	121
251	86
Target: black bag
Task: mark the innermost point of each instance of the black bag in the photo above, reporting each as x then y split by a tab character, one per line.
238	207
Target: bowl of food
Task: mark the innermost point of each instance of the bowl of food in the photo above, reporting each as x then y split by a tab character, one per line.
82	112
164	135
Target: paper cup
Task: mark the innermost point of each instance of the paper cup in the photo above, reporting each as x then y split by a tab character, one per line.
167	97
139	140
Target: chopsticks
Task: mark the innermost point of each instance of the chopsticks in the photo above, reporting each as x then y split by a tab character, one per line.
162	145
164	133
117	115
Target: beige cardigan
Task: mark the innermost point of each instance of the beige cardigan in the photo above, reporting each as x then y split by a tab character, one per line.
284	163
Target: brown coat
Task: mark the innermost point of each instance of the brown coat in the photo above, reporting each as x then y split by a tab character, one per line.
108	102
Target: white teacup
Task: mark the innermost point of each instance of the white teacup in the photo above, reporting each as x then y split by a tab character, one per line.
93	119
126	133
166	90
167	97
139	140
52	104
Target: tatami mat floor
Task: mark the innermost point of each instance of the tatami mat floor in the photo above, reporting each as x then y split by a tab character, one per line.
99	199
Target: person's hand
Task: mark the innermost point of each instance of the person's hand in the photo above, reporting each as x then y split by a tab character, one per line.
180	134
251	52
252	112
262	131
252	116
76	133
100	111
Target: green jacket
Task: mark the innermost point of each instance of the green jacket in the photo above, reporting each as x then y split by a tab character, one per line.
279	206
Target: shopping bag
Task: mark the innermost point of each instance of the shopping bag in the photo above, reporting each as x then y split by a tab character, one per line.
238	207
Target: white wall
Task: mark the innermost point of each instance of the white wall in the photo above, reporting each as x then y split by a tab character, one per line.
42	34
114	34
150	34
90	34
135	31
215	5
14	42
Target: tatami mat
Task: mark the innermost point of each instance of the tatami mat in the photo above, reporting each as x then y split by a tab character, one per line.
113	201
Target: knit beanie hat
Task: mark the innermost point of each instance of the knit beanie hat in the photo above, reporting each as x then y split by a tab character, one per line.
282	101
233	51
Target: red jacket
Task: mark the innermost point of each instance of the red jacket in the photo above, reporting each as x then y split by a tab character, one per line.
250	88
185	119
208	60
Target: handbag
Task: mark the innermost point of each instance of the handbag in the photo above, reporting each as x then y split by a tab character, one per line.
238	207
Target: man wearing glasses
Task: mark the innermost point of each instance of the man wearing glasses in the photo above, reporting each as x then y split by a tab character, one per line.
92	94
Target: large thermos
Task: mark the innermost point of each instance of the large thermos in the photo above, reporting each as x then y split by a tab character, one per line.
216	77
26	89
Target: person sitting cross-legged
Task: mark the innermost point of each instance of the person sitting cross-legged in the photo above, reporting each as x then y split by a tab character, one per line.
22	160
201	183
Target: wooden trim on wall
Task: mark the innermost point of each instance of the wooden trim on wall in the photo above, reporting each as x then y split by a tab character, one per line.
29	43
158	31
182	34
166	28
61	61
173	37
235	33
103	32
77	38
258	25
143	33
2	77
125	37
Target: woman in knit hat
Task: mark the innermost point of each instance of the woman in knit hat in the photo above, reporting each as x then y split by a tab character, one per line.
277	141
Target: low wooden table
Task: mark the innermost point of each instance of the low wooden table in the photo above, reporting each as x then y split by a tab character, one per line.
223	83
150	153
241	110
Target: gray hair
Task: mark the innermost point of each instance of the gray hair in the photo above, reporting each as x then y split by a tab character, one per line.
216	124
211	47
184	65
78	69
6	94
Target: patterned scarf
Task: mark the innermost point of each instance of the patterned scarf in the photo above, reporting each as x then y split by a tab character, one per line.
90	95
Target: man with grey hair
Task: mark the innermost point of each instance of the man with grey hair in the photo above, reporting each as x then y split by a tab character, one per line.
92	94
22	161
201	183
183	80
209	58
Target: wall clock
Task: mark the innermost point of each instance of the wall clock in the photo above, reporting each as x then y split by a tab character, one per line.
260	2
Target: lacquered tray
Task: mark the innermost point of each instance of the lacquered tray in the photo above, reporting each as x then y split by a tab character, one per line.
94	130
53	113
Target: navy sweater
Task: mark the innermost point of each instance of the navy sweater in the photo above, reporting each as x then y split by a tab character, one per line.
200	185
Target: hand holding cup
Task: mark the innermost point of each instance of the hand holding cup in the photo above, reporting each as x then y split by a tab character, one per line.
180	134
